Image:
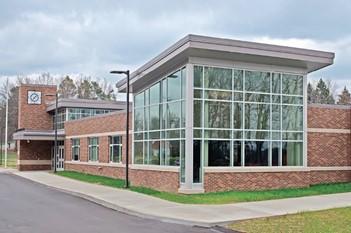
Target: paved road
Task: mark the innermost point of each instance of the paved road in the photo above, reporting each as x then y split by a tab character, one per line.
33	208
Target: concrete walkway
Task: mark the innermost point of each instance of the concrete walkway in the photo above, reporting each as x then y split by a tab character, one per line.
201	215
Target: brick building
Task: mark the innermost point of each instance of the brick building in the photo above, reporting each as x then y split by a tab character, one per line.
208	114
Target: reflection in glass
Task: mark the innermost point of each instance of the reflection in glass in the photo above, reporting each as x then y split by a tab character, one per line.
218	152
256	153
218	78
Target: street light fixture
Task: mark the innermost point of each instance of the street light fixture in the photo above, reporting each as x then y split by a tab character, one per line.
126	72
55	127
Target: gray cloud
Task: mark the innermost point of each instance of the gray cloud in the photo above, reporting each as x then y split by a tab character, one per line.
92	37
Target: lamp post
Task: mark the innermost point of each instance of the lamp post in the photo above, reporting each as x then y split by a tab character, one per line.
55	127
126	72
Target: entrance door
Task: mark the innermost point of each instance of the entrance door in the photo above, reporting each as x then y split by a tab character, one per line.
60	158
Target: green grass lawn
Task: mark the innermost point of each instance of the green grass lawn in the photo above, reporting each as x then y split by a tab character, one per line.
332	220
215	198
11	159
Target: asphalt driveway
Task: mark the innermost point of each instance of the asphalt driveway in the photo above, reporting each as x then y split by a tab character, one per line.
27	207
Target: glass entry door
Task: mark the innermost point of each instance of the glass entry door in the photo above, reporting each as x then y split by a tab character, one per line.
60	158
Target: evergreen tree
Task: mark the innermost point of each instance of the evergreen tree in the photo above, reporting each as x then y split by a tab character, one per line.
310	92
85	89
344	97
323	93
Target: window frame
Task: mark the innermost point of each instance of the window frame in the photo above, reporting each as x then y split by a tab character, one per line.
91	146
75	146
112	145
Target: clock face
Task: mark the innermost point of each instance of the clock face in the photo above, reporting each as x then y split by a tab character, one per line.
34	97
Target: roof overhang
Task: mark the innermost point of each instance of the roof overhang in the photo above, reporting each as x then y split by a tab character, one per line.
38	135
85	103
226	49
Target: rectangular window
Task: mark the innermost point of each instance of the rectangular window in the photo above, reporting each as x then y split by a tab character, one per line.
93	148
115	149
253	118
75	149
218	78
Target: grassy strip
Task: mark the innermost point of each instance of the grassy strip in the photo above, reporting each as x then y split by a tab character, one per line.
332	220
11	159
218	197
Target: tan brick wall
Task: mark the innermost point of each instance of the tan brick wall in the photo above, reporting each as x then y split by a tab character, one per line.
329	149
158	180
32	116
329	117
223	181
324	148
319	177
115	172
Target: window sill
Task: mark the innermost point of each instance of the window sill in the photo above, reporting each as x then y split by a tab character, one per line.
257	169
154	168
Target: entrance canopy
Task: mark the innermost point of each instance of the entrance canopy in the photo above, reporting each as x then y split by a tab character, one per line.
38	135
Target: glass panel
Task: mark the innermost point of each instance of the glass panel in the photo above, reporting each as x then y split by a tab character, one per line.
218	153
238	115
217	114
257	135
292	136
238	96
138	152
217	133
183	114
218	78
172	152
256	153
237	153
276	114
256	81
138	136
197	113
146	118
238	80
182	162
292	100
174	112
154	154
155	94
275	153
276	99
292	117
197	93
154	117
292	154
292	84
276	136
220	95
197	133
197	161
183	74
198	76
276	84
154	135
172	134
164	90
252	97
257	116
174	86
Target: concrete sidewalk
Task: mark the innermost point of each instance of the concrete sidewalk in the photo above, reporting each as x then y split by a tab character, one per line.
201	215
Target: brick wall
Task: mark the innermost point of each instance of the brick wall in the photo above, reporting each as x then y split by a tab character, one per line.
329	116
109	171
34	150
329	148
32	116
320	177
223	181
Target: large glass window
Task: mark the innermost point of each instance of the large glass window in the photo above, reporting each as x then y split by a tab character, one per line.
115	149
159	122
93	148
75	149
247	118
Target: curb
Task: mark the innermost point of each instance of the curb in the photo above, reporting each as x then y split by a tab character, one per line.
126	210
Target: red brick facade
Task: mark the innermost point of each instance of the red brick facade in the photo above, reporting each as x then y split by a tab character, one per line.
328	148
34	117
224	181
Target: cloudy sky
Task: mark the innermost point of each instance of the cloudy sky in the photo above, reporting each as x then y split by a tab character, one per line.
93	37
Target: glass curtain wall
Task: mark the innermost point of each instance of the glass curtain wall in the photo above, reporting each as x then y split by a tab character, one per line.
247	118
159	122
